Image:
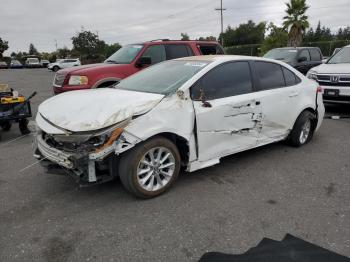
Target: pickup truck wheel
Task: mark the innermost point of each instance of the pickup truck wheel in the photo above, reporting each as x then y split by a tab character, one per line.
6	126
150	168
55	68
303	129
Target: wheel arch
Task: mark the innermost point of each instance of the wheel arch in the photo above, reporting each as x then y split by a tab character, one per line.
311	110
103	81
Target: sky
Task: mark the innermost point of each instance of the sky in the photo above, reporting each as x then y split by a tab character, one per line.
43	22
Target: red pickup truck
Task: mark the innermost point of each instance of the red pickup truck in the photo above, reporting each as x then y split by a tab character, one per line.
127	61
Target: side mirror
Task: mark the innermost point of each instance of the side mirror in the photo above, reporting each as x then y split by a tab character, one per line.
302	59
143	61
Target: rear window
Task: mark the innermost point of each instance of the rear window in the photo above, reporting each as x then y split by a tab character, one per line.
270	75
177	51
290	78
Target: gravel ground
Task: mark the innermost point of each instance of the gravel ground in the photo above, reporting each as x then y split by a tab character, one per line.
265	192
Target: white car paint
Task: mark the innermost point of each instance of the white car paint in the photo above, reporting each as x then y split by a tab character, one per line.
230	125
64	63
334	77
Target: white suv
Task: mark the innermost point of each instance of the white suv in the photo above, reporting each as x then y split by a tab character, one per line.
63	63
334	76
187	112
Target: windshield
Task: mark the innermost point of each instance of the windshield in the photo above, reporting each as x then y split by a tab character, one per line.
163	78
15	62
341	57
282	54
125	54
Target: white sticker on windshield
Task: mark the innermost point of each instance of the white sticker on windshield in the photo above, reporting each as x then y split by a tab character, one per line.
196	64
292	51
137	46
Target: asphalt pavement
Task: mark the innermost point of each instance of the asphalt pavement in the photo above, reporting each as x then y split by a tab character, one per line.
265	192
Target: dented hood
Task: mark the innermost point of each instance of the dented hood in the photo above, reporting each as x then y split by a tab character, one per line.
89	110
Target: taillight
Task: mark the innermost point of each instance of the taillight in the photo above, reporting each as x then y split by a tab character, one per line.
319	89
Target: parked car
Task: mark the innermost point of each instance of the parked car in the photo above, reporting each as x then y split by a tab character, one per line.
15	64
45	63
334	76
64	63
187	112
3	65
32	62
301	58
127	61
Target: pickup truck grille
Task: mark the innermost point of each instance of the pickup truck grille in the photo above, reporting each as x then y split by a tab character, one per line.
59	79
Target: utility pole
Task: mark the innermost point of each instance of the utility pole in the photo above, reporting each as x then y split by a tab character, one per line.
56	44
221	9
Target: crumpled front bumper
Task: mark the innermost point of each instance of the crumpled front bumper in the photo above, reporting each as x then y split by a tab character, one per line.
78	163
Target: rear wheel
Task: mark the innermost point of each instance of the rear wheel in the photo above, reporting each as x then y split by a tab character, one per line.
150	168
303	129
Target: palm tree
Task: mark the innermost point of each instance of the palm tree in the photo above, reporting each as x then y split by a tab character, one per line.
296	21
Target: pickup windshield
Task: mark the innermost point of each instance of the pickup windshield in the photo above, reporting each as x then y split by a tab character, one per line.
163	78
287	55
341	57
124	55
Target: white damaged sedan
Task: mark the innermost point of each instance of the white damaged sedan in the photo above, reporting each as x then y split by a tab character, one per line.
188	112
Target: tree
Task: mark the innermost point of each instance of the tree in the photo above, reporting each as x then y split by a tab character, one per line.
111	49
4	45
33	50
296	21
249	33
278	37
208	38
88	45
185	37
63	52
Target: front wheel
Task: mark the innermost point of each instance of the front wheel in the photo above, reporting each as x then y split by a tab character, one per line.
303	129
6	126
150	168
55	68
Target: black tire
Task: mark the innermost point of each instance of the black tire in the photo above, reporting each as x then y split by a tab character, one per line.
295	138
6	126
55	68
130	161
23	126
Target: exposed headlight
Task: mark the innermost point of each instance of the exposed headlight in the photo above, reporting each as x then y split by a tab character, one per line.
312	75
78	80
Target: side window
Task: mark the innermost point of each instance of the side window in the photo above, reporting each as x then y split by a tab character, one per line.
315	55
305	53
270	75
177	51
226	80
290	78
156	53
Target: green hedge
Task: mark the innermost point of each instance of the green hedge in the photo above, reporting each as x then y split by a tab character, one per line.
250	50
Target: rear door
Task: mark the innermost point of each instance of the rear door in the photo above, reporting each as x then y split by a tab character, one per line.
174	51
228	112
303	66
279	92
316	57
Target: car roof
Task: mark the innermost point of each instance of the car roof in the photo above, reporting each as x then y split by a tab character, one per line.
167	41
298	48
223	58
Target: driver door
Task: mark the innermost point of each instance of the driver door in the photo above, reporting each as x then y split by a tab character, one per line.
228	112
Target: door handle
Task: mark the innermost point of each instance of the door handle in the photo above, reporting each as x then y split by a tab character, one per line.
293	94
